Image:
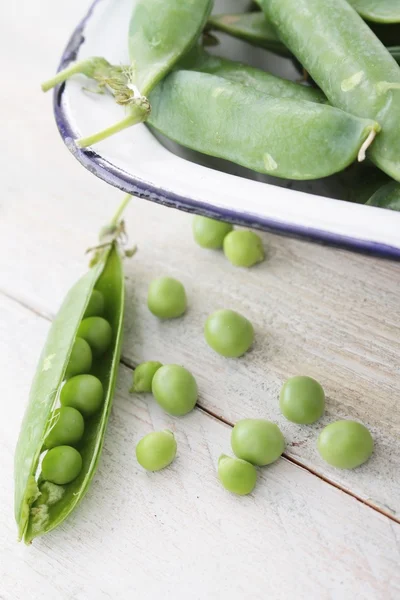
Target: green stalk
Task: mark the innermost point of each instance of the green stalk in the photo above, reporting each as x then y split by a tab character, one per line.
117	216
138	114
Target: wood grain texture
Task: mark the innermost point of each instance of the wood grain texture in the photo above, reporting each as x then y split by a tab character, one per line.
178	533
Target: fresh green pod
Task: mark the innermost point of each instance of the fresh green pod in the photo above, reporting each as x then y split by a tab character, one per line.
257	79
395	52
388	196
278	136
349	63
160	33
251	27
258	30
379	11
107	275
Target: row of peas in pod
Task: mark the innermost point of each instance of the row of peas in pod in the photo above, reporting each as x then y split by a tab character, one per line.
255	119
64	426
343	444
81	396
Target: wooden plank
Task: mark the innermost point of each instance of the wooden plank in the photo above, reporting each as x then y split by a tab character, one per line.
177	533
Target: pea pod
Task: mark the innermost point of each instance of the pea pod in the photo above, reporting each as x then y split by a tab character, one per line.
279	136
257	79
251	27
37	511
388	196
258	30
349	64
159	34
380	11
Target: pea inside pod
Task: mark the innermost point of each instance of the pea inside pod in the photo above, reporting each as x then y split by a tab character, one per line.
349	63
69	470
279	136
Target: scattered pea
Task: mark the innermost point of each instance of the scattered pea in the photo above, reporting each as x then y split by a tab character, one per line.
243	248
143	376
156	450
68	428
166	298
345	444
257	441
61	465
302	400
209	233
80	360
175	389
95	307
98	334
236	475
228	333
83	392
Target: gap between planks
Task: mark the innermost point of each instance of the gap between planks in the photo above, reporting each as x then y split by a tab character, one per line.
128	364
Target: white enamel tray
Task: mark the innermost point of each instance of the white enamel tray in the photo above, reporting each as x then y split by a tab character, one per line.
137	162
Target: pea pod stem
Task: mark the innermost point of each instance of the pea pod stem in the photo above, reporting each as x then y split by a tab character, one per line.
118	214
137	115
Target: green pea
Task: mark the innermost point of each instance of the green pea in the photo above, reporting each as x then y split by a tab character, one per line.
257	441
98	334
243	248
209	233
61	465
95	307
68	428
83	392
302	400
143	376
175	389
156	450
166	298
228	333
80	360
345	444
236	475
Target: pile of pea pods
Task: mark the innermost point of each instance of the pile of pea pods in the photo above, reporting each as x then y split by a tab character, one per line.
347	111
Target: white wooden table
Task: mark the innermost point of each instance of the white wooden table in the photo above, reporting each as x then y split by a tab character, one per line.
308	531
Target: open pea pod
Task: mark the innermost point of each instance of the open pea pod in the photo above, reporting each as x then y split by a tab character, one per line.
284	137
251	27
37	513
349	64
262	81
380	11
160	33
387	196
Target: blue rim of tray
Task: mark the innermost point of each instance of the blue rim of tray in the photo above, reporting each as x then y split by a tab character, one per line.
116	177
